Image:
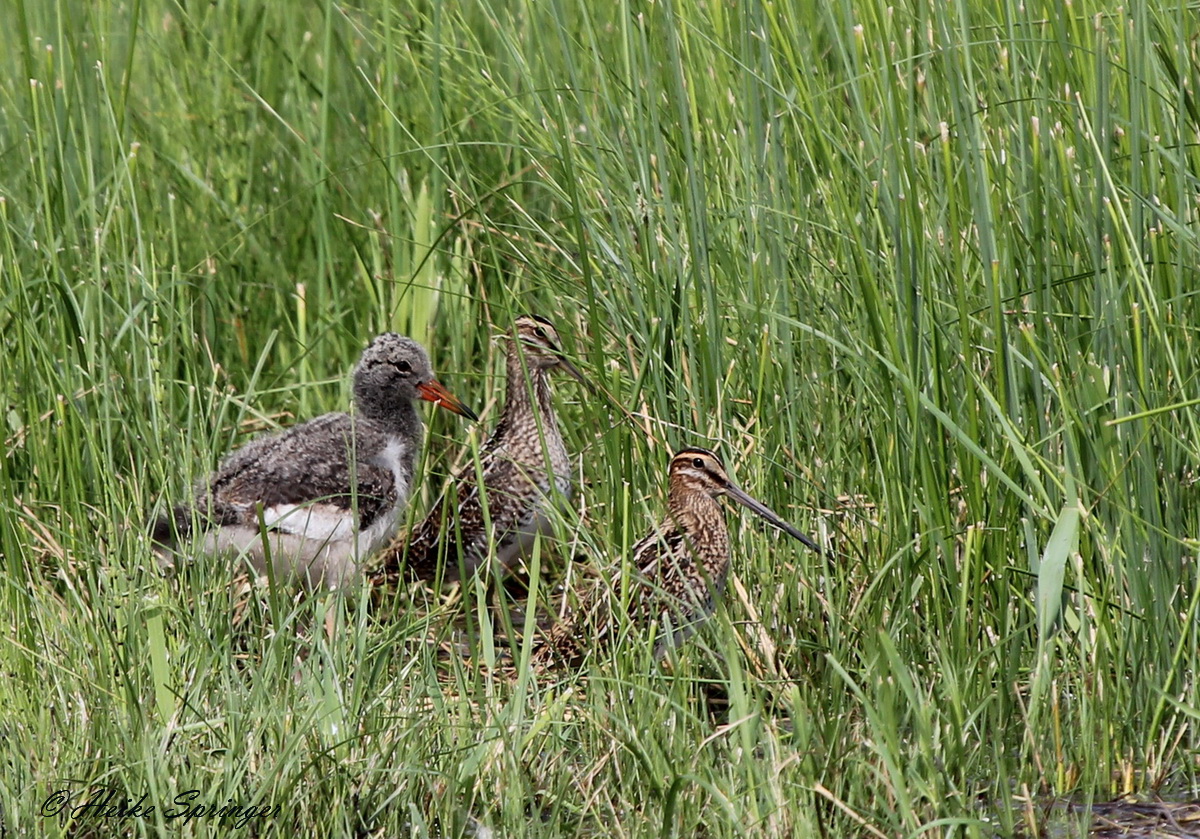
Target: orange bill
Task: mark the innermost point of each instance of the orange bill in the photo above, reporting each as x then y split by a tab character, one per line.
433	391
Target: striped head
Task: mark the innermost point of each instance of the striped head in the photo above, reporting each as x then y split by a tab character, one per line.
698	470
542	348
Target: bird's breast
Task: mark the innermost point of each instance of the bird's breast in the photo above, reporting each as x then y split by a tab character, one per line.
396	457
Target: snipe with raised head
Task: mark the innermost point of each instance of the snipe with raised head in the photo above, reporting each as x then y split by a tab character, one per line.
680	567
524	468
319	498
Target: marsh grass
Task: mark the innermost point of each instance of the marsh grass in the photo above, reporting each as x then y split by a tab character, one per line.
925	274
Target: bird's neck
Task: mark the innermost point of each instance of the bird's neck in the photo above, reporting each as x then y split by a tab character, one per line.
395	418
699	518
528	401
694	509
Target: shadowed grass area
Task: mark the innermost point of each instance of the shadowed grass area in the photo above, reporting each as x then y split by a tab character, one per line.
925	275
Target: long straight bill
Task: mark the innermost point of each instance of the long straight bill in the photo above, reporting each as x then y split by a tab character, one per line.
767	513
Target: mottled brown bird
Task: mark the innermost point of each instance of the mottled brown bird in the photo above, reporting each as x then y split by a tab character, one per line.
680	567
524	466
319	498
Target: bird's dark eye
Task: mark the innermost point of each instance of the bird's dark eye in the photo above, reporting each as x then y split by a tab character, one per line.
541	333
698	463
403	367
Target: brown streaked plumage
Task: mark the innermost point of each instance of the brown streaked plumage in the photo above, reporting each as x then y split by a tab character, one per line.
327	492
524	466
681	566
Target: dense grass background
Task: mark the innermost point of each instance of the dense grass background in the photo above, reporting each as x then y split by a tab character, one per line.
925	273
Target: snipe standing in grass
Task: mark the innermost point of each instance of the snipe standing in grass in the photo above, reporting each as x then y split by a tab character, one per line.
319	498
681	567
524	466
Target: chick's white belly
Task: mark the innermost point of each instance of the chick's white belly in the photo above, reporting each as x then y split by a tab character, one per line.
317	544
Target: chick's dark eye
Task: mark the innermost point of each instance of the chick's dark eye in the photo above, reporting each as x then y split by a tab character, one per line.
403	367
698	463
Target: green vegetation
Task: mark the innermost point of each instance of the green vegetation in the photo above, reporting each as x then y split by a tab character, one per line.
925	274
